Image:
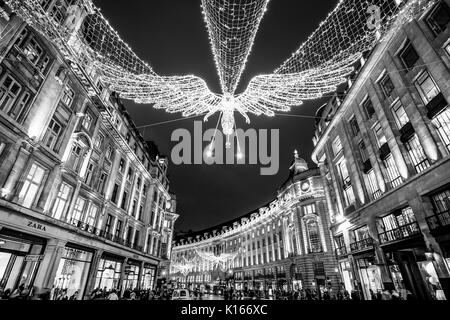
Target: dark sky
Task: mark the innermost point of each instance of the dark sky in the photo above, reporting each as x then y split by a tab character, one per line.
172	37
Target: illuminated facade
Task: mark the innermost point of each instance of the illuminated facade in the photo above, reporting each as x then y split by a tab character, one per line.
383	149
83	203
284	245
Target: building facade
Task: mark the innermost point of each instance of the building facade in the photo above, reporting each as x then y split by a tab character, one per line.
83	205
285	245
383	146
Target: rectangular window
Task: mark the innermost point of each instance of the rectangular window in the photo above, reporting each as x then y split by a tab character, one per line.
62	201
124	200
53	134
9	92
379	134
427	87
108	225
118	229
99	141
115	193
416	154
337	145
439	18
78	210
68	96
387	86
18	110
401	118
141	211
102	183
122	165
308	209
89	174
31	186
442	123
372	184
363	151
393	175
91	217
409	56
354	126
130	174
441	201
368	106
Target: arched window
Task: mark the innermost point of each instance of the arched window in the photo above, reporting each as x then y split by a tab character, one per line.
313	233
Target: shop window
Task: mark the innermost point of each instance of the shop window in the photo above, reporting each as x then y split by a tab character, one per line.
442	123
427	87
108	274
392	173
417	154
379	134
409	56
32	185
387	86
439	18
53	134
72	274
62	201
401	118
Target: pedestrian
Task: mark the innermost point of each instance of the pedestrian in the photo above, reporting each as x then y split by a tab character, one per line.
74	296
113	295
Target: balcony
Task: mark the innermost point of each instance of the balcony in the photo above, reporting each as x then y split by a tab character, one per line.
84	226
364	244
439	222
403	232
341	251
436	105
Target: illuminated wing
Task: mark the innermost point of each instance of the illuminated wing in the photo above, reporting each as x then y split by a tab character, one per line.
188	95
269	94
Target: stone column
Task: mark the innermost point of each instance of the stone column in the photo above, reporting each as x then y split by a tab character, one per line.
49	265
50	189
11	187
90	283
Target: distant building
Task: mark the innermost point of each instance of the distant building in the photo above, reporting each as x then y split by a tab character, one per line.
82	203
285	245
383	149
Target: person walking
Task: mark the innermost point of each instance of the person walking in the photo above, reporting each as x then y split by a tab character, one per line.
113	295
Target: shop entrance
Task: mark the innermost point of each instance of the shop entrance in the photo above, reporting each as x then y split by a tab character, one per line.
20	258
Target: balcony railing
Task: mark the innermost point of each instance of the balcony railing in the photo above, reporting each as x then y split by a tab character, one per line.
363	244
400	233
439	220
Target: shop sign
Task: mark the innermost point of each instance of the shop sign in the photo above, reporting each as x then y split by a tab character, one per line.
35	225
34	258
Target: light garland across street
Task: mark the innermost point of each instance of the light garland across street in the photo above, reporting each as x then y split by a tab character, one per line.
318	67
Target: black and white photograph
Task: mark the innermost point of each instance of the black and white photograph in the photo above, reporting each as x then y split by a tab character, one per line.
221	157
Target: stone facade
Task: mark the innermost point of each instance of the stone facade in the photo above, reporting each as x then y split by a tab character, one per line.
82	202
284	245
382	145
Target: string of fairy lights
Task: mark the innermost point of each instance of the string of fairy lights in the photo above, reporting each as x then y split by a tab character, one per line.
321	63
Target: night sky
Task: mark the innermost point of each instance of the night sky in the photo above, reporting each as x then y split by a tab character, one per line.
172	37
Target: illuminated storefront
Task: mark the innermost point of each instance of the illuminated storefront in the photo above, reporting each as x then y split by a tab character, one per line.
20	256
73	271
148	277
131	275
108	273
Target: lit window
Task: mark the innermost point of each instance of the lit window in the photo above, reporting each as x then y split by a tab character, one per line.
62	201
53	134
78	211
314	243
427	88
337	145
372	184
31	186
416	154
379	134
401	118
68	96
442	123
393	175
